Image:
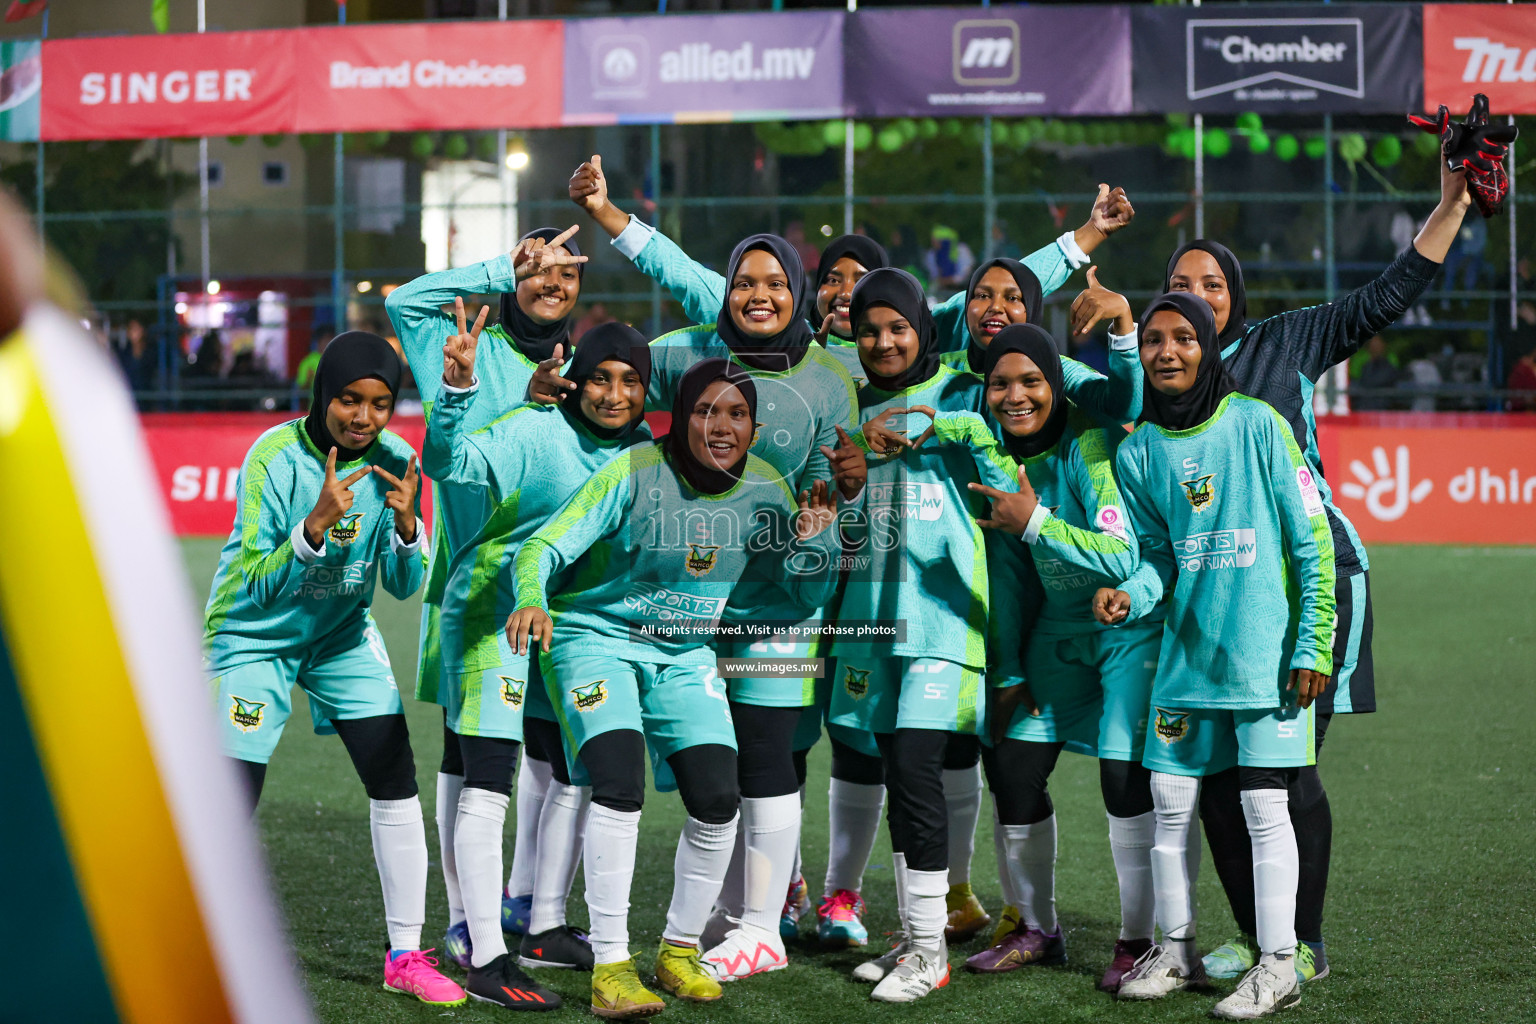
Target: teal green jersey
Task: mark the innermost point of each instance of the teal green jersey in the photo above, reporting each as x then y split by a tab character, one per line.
1232	526
1079	538
273	596
529	461
639	566
917	555
416	311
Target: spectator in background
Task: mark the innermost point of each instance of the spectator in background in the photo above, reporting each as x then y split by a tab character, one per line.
904	251
1090	350
1378	372
1002	247
1465	255
1522	375
794	234
304	376
596	314
207	360
948	262
137	361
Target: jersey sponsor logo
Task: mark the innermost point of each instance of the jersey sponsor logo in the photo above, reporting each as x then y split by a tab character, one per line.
1200	492
856	681
591	696
1311	497
1059	576
512	691
660	603
1222	549
910	499
345	530
701	558
1233	55
1111	520
245	715
323	582
1171	726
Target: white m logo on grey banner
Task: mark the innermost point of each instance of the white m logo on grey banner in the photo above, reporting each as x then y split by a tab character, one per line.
986	52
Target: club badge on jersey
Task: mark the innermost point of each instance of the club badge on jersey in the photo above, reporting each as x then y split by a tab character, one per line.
1172	726
591	696
245	715
1200	492
512	691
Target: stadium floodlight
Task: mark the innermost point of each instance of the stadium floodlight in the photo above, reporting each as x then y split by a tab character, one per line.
213	287
517	154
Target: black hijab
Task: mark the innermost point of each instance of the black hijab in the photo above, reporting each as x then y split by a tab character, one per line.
785	349
1036	342
535	340
862	249
1232	271
353	355
706	479
604	342
1034	302
900	291
1212	381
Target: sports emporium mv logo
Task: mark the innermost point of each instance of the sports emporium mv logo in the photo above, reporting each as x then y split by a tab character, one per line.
986	52
1232	54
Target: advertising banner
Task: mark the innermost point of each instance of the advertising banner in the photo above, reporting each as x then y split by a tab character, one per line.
722	67
1453	480
1487	48
465	74
146	87
21	83
1343	58
966	63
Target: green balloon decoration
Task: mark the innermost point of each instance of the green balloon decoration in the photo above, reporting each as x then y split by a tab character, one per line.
456	146
1217	143
1387	151
999	132
1258	142
272	141
889	140
421	145
236	140
928	128
863	136
485	147
1352	147
908	129
953	127
1286	147
1186	143
1315	147
1020	136
1076	133
1426	145
834	132
1250	122
1055	131
377	140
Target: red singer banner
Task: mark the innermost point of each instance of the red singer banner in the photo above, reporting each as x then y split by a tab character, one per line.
1487	48
1429	479
143	87
471	74
197	459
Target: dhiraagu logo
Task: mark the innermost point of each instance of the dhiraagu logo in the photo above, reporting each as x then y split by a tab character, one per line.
1223	549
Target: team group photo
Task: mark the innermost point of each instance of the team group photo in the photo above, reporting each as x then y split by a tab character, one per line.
743	513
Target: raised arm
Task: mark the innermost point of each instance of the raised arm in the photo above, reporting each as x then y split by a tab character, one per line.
1108	548
447	454
700	290
416	311
593	512
273	553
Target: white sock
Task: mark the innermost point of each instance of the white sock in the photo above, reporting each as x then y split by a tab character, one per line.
448	787
794	868
400	851
926	910
962	795
899	869
772	829
1276	867
1011	895
533	778
477	847
560	830
703	854
609	854
1174	798
853	820
733	891
1032	863
1130	841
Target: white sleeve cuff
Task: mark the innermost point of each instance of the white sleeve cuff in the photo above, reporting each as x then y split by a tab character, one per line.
634	237
1124	342
451	390
502	277
400	547
1036	523
1072	250
301	549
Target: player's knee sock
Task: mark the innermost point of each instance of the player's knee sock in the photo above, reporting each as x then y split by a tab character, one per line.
1313	820
533	777
609	852
771	830
1226	832
1011	897
1031	853
703	853
899	870
560	831
732	900
853	819
477	847
400	851
1275	870
1130	841
794	869
448	788
962	795
927	912
1173	801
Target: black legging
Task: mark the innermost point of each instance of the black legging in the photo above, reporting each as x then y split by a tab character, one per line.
542	742
1018	772
380	748
765	764
914	779
706	775
489	763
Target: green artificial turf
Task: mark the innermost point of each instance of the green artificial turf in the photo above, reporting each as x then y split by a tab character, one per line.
1430	901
